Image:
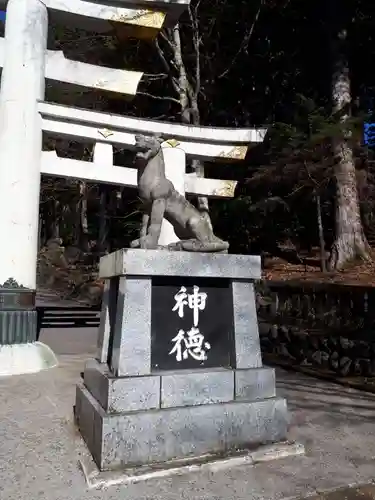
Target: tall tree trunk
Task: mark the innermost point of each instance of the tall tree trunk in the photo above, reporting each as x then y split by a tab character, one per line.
54	220
40	232
189	97
82	225
187	89
350	242
103	226
322	243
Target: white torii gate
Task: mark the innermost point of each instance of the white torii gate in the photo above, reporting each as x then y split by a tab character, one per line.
24	116
106	130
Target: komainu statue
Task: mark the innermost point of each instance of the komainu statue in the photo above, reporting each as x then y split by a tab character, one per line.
160	199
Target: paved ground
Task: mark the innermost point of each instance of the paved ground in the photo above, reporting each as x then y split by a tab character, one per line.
40	447
366	492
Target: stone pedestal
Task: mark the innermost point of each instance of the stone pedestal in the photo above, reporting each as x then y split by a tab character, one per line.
19	351
18	317
178	372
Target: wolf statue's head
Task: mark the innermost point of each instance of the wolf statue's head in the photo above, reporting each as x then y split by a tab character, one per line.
147	146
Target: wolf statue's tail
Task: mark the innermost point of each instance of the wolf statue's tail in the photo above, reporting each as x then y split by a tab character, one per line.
193	245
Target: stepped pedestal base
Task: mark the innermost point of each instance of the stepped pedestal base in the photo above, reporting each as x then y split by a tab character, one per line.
179	371
135	421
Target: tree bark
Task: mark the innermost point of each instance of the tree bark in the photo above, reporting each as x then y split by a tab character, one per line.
54	220
350	241
103	226
322	243
189	99
183	82
82	224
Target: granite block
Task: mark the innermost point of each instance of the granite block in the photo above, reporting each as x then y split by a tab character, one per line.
95	378
107	319
255	383
138	438
247	345
121	394
131	346
88	416
136	262
198	387
134	393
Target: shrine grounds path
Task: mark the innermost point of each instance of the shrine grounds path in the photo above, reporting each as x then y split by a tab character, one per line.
40	447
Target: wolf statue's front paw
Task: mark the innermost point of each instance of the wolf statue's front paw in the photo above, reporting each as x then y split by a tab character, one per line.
147	243
135	244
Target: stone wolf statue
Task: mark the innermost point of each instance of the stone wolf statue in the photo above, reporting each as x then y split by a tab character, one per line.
161	200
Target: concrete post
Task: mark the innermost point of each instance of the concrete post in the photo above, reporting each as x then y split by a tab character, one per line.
175	168
22	84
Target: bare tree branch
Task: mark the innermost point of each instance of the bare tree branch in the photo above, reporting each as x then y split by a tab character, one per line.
159	98
165	63
245	43
168	39
155	76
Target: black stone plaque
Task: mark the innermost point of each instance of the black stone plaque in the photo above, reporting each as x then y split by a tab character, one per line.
191	323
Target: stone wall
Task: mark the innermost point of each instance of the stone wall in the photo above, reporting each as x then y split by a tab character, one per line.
327	326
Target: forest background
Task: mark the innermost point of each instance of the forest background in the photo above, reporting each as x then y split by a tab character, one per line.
306	196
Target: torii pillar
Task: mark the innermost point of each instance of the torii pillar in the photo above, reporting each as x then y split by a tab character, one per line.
22	85
175	168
